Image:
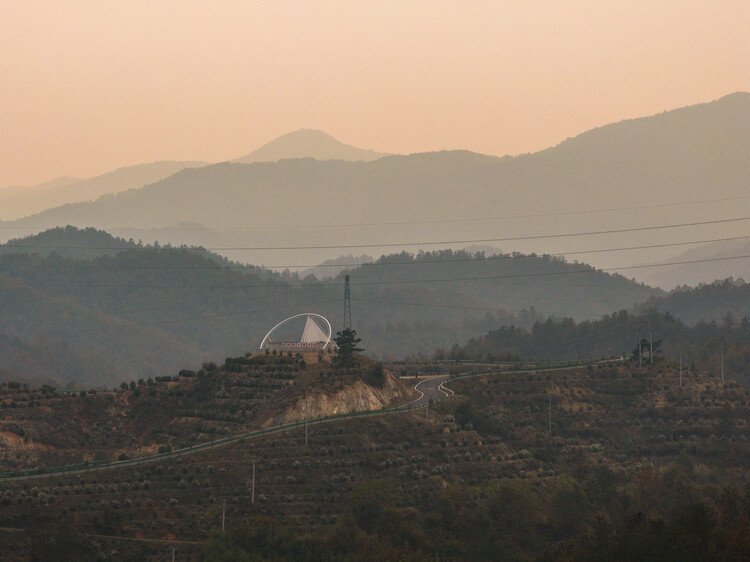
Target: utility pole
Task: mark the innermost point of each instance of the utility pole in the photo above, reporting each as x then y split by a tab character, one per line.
223	514
651	344
640	351
549	416
252	493
173	549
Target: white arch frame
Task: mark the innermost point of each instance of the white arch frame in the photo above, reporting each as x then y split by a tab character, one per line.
308	314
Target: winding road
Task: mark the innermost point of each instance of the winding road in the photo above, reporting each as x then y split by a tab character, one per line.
430	389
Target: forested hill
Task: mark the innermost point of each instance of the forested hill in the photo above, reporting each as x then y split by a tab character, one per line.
48	338
718	301
617	335
87	243
69	242
198	306
512	281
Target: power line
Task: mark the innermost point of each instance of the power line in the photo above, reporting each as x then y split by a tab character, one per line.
252	268
498	308
494	307
192	319
490	308
426	221
582	340
282	284
547	313
404	244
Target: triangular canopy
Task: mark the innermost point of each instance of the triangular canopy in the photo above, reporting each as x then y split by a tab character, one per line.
313	333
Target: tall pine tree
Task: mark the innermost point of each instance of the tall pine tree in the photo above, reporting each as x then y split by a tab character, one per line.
347	342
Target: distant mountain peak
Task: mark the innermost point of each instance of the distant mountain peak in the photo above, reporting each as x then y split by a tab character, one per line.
308	143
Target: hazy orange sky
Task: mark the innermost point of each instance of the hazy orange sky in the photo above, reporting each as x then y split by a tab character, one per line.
88	86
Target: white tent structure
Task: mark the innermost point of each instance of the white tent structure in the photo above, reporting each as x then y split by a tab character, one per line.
313	336
313	333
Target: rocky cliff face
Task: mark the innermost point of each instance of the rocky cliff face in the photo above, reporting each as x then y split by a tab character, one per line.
358	396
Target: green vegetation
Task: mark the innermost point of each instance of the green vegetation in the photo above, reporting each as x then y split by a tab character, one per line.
616	335
706	302
509	521
635	467
94	320
46	428
347	347
69	242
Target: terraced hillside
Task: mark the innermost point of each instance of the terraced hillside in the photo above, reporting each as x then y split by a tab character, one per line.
44	427
630	452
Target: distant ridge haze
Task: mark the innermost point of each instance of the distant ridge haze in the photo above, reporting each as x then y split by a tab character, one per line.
693	153
134	82
20	201
16	202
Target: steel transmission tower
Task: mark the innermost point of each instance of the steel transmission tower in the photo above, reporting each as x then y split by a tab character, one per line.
347	304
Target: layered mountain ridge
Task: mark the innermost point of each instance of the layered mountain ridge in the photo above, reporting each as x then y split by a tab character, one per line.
682	166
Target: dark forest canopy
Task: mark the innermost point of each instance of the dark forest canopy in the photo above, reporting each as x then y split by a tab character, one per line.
617	335
83	306
707	301
92	308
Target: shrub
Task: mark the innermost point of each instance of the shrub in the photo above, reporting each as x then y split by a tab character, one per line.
375	376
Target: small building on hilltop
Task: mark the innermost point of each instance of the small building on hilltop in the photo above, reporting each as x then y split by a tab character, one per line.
313	338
